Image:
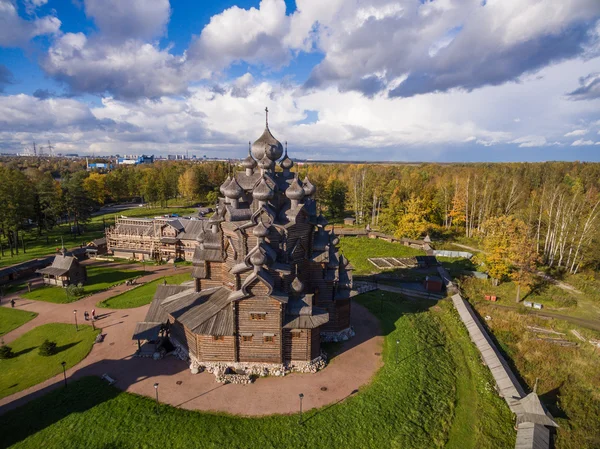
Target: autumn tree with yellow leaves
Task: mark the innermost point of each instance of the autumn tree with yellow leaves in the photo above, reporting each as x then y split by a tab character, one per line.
509	252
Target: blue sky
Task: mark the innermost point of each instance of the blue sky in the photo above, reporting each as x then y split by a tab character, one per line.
441	80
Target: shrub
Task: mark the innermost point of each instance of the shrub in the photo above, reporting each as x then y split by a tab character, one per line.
48	348
75	290
6	352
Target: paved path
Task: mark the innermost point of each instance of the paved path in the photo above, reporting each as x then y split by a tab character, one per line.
63	313
353	368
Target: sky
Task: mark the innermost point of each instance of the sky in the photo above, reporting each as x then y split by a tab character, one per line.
401	80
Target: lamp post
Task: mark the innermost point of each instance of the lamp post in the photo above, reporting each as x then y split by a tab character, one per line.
156	389
75	315
301	396
397	345
64	372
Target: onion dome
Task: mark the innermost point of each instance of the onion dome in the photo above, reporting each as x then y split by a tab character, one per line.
262	192
297	285
260	230
249	162
233	190
267	145
309	188
257	259
295	190
335	241
224	185
266	164
286	163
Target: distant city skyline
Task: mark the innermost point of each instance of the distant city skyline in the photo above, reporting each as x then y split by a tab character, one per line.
372	80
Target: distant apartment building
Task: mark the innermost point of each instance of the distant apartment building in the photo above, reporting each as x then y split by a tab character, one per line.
135	160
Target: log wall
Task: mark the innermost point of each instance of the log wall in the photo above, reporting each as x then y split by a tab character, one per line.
257	349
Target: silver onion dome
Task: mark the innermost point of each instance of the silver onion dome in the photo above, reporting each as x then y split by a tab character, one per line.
267	144
295	191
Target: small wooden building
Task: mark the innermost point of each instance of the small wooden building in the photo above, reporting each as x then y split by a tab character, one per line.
96	248
433	284
65	270
349	221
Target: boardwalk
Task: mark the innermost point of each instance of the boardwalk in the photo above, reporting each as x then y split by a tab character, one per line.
508	385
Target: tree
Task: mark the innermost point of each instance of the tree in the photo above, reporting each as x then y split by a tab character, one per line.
413	222
47	348
77	201
17	199
336	197
510	251
95	187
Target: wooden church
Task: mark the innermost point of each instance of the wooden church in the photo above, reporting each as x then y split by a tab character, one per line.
269	282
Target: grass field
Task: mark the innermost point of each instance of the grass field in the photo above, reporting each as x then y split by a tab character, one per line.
359	249
46	245
432	393
99	278
142	295
568	376
551	296
29	368
10	319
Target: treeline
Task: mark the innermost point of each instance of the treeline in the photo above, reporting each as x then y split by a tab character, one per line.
557	202
42	193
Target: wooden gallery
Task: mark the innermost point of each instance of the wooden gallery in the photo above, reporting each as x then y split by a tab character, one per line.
269	283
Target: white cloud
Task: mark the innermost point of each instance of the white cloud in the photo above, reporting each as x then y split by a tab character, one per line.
253	35
140	19
530	141
16	32
581	142
577	132
443	45
129	69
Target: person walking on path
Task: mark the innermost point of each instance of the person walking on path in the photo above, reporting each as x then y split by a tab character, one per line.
94	314
12	303
86	315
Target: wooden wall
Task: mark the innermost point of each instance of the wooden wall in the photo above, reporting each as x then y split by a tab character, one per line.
297	345
257	350
315	344
212	350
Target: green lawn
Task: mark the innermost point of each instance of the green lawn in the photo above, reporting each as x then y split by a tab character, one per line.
99	278
10	319
567	376
29	368
551	296
142	295
359	249
432	393
46	245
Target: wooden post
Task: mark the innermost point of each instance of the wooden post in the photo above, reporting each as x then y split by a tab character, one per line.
23	243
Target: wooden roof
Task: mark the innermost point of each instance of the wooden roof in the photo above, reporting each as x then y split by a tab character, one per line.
534	412
146	330
155	312
60	266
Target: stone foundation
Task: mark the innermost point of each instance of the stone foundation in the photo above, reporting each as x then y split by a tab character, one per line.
246	372
343	335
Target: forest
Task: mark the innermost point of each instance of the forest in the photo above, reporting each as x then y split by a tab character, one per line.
523	214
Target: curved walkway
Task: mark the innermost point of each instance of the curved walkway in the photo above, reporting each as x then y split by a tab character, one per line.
353	368
63	313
